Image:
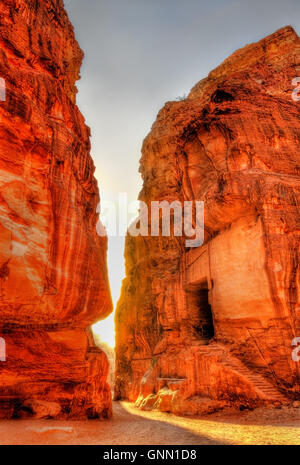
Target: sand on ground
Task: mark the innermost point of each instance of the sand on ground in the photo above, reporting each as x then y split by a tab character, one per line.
132	426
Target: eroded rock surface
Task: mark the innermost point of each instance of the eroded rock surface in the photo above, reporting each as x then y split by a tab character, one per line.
53	278
203	327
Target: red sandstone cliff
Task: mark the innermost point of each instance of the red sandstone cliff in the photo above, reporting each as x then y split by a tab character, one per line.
53	278
200	328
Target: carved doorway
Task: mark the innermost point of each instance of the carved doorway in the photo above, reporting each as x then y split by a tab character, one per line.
200	312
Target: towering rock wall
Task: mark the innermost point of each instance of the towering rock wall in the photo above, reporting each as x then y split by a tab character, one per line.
204	327
53	277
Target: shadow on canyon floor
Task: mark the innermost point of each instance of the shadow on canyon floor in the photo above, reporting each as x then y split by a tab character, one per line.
132	426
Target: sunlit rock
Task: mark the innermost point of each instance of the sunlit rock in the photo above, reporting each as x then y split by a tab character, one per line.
203	327
53	278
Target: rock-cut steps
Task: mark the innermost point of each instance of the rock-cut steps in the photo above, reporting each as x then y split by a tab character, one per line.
264	389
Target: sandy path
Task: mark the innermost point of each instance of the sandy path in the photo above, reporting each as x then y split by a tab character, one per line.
131	426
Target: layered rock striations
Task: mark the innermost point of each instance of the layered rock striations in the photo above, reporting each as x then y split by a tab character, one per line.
210	326
53	277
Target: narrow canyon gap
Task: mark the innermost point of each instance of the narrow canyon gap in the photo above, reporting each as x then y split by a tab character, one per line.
197	329
53	275
202	328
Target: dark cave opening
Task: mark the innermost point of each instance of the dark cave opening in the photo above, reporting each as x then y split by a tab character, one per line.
201	312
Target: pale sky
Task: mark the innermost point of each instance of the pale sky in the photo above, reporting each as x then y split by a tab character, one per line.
140	54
